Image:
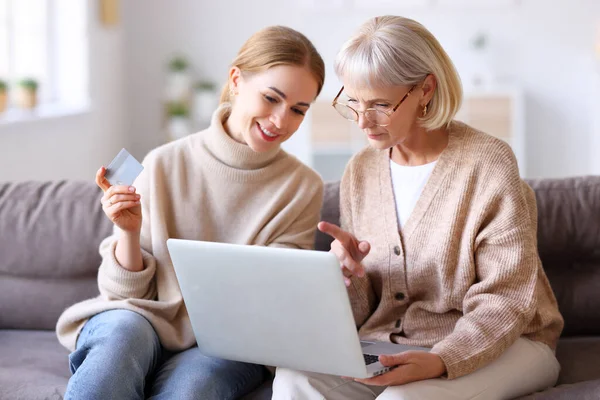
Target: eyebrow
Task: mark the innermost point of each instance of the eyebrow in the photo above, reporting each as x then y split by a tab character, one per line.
279	92
380	100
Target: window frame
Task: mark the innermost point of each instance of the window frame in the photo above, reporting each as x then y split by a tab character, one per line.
54	100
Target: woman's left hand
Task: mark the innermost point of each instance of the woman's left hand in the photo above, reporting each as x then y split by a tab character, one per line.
409	366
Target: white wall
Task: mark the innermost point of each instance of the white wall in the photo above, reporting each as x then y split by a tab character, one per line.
595	143
73	147
546	47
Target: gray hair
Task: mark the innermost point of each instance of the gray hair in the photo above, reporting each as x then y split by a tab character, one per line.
393	51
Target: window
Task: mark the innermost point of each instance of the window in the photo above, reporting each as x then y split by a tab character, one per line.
45	40
25	43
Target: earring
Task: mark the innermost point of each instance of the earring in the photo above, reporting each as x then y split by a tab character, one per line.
424	110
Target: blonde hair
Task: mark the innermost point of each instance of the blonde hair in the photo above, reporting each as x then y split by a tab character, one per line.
277	45
392	51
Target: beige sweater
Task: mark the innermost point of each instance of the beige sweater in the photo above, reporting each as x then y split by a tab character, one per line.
464	275
203	187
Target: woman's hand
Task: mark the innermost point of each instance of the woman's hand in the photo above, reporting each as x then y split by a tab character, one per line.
349	250
121	204
409	366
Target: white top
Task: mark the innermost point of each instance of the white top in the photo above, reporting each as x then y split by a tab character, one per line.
408	183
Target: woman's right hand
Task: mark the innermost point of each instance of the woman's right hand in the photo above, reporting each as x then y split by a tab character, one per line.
121	204
348	249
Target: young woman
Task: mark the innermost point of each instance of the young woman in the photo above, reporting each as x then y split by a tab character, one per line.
438	236
229	183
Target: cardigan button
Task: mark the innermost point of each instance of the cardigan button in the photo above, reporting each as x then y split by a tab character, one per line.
399	296
397	250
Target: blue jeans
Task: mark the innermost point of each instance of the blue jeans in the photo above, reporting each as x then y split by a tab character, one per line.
119	356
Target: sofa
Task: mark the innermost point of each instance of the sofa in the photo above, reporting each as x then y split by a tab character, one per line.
49	237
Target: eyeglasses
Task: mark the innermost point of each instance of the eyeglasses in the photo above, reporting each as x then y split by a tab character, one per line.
373	115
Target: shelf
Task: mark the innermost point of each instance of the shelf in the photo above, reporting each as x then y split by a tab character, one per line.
43	112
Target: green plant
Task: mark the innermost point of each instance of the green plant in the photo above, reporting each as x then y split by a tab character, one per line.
177	110
3	86
178	64
205	86
29	84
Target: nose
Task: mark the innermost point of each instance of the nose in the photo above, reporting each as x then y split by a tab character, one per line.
363	122
278	118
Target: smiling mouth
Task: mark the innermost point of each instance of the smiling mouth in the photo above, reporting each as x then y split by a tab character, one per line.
267	134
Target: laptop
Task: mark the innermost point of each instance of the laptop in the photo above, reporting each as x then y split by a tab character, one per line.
273	306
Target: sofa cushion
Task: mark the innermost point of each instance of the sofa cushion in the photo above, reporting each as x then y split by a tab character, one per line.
27	303
49	238
33	365
579	391
579	359
569	246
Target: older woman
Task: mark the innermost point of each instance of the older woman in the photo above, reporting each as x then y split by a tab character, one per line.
438	236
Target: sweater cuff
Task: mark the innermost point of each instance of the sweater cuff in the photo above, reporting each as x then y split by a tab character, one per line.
120	283
454	360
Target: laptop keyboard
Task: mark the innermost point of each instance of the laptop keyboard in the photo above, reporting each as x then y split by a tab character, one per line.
370	359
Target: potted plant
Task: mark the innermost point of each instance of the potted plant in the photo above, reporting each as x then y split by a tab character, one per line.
206	100
3	95
178	64
27	93
179	86
178	124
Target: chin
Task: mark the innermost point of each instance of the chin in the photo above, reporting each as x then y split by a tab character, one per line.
261	146
379	144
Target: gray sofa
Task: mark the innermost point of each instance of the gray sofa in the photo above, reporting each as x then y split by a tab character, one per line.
49	236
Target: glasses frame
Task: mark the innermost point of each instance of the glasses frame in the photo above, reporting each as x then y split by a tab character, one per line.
357	113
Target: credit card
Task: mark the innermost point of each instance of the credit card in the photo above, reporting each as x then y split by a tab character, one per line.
123	169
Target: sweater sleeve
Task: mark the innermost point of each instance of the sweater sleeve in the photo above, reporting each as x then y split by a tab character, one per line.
300	234
116	282
498	307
